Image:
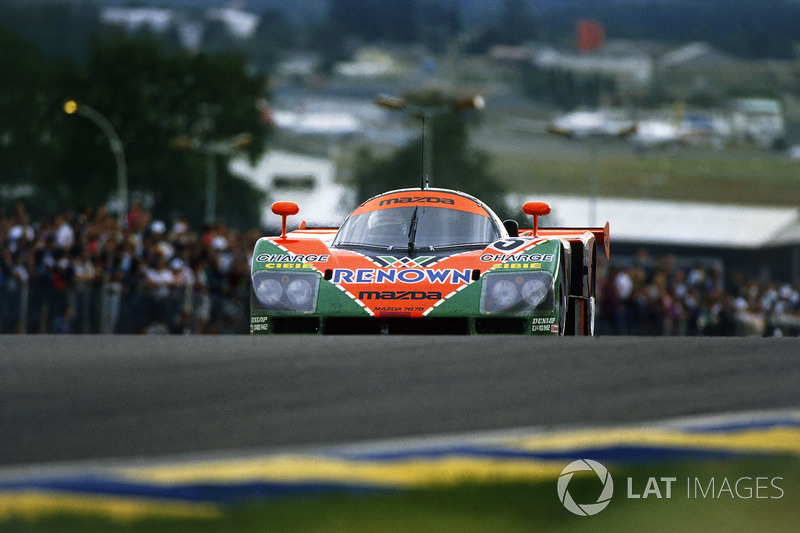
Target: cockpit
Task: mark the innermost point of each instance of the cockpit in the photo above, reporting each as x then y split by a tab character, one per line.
425	225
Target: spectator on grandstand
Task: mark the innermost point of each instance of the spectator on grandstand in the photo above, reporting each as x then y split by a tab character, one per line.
87	273
666	300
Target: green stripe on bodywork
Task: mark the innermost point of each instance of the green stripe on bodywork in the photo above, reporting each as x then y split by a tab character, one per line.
463	303
333	301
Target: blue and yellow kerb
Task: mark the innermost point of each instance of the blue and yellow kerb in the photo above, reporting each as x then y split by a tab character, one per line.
201	488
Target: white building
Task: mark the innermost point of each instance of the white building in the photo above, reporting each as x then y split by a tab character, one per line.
305	180
190	27
631	68
758	120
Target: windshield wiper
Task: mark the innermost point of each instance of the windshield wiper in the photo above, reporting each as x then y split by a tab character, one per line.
412	231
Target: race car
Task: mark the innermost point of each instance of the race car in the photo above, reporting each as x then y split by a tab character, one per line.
426	261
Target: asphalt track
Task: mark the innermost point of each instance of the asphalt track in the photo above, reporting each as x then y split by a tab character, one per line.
91	397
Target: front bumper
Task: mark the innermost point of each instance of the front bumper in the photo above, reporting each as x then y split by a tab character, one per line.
466	325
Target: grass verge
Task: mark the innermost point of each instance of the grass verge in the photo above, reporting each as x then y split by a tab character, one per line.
718	177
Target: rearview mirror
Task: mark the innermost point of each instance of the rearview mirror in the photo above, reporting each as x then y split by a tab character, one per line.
285	209
536	209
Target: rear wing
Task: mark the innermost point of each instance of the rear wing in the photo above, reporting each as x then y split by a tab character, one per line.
601	235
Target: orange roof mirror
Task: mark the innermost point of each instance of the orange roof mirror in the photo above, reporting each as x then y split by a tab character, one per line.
536	209
283	210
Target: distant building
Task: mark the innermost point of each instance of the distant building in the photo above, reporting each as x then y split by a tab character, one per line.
630	68
298	66
693	57
136	19
370	62
758	120
511	54
189	26
757	240
697	69
306	180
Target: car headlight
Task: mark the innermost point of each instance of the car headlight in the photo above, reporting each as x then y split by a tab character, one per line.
535	290
299	292
519	292
278	291
504	293
268	291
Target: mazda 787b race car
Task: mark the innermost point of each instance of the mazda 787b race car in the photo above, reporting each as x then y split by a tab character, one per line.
426	261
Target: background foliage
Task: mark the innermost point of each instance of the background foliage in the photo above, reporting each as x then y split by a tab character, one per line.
152	95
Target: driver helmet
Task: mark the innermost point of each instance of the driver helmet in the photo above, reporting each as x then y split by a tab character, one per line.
387	222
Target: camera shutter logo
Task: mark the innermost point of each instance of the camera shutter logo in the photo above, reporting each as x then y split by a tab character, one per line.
585	509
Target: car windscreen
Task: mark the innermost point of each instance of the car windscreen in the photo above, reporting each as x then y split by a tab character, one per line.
416	227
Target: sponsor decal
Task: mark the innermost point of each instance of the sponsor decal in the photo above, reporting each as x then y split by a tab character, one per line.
404	275
389	309
391	284
291	258
535	257
417	200
544	325
286	265
391	261
399	295
259	323
424	199
518	265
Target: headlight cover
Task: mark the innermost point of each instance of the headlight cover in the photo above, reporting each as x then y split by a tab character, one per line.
518	292
279	291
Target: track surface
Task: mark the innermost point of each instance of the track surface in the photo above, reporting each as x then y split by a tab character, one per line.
89	397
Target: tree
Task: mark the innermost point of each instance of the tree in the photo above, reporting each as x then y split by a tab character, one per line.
27	88
151	97
454	164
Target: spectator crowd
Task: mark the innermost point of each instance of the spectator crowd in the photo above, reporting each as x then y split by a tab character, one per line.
86	272
647	296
